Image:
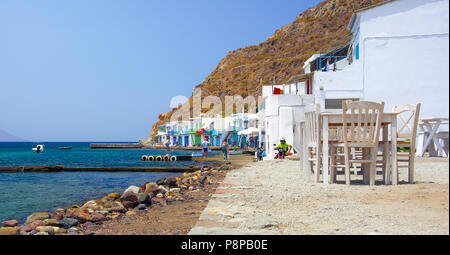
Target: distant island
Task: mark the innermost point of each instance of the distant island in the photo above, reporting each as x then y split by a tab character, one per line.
7	137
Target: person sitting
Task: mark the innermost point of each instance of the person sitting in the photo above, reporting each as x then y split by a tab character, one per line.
287	148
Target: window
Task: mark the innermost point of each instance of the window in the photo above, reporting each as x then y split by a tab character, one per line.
337	103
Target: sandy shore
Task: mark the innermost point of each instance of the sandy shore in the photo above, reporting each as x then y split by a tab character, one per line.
274	197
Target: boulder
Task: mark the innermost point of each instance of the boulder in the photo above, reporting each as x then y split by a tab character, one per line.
37	216
162	189
33	232
10	223
51	222
144	198
142	187
150	187
175	190
141	207
161	181
111	197
82	216
96	217
94	205
117	209
47	229
32	226
171	182
57	214
110	204
9	231
130	204
160	201
41	234
129	196
68	223
132	188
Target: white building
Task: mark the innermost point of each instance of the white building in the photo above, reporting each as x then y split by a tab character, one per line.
396	52
399	54
281	115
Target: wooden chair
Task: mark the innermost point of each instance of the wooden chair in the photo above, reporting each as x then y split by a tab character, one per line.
361	130
312	139
408	120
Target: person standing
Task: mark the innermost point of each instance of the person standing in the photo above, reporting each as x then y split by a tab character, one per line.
167	146
205	147
225	150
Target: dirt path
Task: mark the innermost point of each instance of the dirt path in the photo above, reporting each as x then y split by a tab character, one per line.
273	197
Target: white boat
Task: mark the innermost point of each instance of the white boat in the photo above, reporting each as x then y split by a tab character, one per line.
39	148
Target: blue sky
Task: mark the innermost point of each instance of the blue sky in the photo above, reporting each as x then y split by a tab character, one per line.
103	70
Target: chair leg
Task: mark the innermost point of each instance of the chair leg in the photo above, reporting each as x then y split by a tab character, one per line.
364	168
317	167
411	166
347	165
332	165
310	163
373	166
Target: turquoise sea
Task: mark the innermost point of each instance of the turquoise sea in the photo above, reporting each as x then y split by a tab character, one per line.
24	193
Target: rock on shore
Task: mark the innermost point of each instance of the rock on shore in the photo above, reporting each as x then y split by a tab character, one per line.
75	218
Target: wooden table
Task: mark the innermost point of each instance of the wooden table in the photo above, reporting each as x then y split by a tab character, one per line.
428	130
388	119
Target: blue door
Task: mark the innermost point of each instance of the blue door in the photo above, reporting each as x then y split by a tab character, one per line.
186	141
217	140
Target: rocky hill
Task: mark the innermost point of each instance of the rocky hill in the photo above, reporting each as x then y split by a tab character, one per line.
244	71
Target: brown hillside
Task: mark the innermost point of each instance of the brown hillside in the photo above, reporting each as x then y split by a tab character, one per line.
245	70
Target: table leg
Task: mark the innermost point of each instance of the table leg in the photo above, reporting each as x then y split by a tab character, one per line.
304	159
432	131
325	150
394	152
386	156
420	142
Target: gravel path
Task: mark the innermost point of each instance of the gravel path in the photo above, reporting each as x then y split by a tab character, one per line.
274	197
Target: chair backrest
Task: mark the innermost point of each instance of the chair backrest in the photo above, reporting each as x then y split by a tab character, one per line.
312	124
408	120
362	122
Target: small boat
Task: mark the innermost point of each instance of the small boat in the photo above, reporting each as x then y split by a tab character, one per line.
197	154
39	148
235	152
65	148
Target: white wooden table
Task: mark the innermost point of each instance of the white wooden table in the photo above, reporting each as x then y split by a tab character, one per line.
388	119
428	133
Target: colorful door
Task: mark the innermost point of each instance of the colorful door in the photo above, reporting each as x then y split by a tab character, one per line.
217	140
180	141
186	141
198	140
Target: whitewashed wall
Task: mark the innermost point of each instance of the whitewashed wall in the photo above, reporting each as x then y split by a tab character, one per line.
405	54
404	58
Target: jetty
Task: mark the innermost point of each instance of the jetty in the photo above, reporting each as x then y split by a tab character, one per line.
181	148
116	146
60	168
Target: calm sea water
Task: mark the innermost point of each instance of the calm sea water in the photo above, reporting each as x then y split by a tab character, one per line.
24	193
